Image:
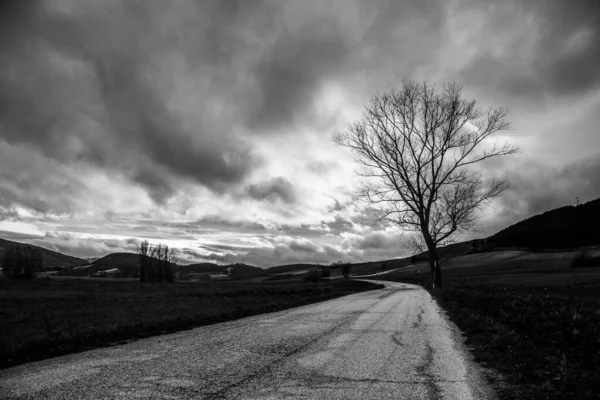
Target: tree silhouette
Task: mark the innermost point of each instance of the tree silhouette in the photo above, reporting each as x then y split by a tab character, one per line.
156	262
415	146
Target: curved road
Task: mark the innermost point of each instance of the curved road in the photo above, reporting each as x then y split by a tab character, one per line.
391	343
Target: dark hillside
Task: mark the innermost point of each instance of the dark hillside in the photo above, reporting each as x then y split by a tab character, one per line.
126	262
52	259
561	228
234	270
281	269
448	251
201	268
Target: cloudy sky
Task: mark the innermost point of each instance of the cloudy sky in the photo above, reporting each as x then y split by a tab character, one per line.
206	125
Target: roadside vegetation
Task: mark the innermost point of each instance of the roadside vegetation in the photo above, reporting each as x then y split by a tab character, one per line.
538	324
42	318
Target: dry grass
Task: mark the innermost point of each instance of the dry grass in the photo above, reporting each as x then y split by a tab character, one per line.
533	318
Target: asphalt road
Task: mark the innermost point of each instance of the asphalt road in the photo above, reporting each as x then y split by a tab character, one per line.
391	343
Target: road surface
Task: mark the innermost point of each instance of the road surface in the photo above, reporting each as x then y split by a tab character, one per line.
391	343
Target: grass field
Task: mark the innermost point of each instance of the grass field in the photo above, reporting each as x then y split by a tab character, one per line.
529	316
44	318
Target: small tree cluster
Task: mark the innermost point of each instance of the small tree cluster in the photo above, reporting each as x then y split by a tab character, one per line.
22	262
156	262
344	266
346	270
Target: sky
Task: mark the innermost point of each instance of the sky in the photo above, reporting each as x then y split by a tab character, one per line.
206	125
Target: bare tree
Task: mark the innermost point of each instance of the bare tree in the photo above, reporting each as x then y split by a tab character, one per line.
415	145
164	257
144	252
156	262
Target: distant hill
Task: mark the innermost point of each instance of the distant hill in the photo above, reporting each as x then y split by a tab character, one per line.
565	227
448	251
202	267
561	228
52	259
281	269
389	264
234	271
128	263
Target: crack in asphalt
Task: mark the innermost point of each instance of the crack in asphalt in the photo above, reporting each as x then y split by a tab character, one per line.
266	368
330	351
396	338
329	378
424	370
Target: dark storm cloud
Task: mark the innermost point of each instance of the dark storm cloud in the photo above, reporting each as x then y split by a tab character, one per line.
290	75
87	88
565	55
274	189
93	82
29	179
569	49
346	41
163	94
157	184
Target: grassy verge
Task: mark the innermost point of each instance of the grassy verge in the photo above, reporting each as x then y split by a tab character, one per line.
41	319
541	331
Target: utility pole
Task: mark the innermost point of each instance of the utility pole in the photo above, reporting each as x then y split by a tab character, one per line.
577	201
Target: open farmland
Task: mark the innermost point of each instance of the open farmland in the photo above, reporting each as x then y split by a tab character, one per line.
530	316
44	317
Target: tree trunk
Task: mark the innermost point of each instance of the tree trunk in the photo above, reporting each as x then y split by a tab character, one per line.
434	262
437	274
143	269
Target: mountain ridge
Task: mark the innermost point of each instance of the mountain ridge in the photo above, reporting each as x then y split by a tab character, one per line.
560	228
52	259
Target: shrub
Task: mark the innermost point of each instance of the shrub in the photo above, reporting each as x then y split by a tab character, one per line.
314	275
325	272
22	262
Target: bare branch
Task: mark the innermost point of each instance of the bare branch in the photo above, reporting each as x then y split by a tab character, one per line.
414	146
